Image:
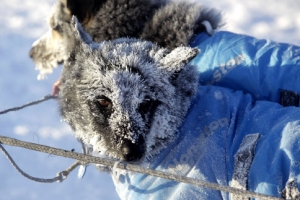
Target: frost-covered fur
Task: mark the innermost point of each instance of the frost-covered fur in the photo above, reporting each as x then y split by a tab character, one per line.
167	24
126	98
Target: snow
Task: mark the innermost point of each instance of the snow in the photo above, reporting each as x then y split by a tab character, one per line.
21	23
278	21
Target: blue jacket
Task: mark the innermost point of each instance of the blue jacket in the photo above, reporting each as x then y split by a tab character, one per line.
258	67
236	135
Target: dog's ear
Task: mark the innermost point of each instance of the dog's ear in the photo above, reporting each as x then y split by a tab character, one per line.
175	61
82	38
84	10
82	41
79	50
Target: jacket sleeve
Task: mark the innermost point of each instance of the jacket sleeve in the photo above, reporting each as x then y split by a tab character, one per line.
262	68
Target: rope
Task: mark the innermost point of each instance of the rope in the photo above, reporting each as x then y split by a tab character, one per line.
133	168
60	177
45	98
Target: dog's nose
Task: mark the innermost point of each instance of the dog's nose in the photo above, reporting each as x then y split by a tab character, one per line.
133	151
31	52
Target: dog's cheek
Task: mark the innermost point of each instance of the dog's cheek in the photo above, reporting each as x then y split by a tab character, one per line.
56	43
149	114
99	121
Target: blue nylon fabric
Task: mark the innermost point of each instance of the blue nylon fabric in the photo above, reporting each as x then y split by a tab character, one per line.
220	117
240	62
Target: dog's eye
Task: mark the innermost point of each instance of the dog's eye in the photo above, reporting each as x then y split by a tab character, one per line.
103	102
56	28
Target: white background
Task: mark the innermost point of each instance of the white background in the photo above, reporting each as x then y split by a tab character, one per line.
21	23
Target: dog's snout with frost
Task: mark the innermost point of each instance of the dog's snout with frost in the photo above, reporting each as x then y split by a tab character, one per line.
133	151
31	52
35	50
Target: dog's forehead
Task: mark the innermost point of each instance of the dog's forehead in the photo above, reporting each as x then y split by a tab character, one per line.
120	86
124	53
130	89
126	71
124	62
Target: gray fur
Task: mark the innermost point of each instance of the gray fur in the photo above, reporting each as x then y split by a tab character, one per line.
175	24
164	23
128	73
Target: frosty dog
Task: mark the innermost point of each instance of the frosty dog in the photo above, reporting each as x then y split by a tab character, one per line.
166	24
134	101
120	96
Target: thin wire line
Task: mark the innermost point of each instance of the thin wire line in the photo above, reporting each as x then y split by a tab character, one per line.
45	98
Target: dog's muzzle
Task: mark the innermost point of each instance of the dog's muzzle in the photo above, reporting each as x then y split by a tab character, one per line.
133	151
32	52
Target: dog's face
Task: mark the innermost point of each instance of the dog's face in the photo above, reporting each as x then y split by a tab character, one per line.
126	98
53	47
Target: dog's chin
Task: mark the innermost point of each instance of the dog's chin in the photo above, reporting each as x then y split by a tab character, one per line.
128	158
118	160
132	159
46	67
112	155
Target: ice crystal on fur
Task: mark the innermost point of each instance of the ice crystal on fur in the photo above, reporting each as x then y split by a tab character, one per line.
165	23
146	92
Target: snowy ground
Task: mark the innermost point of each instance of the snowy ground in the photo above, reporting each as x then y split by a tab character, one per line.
21	22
